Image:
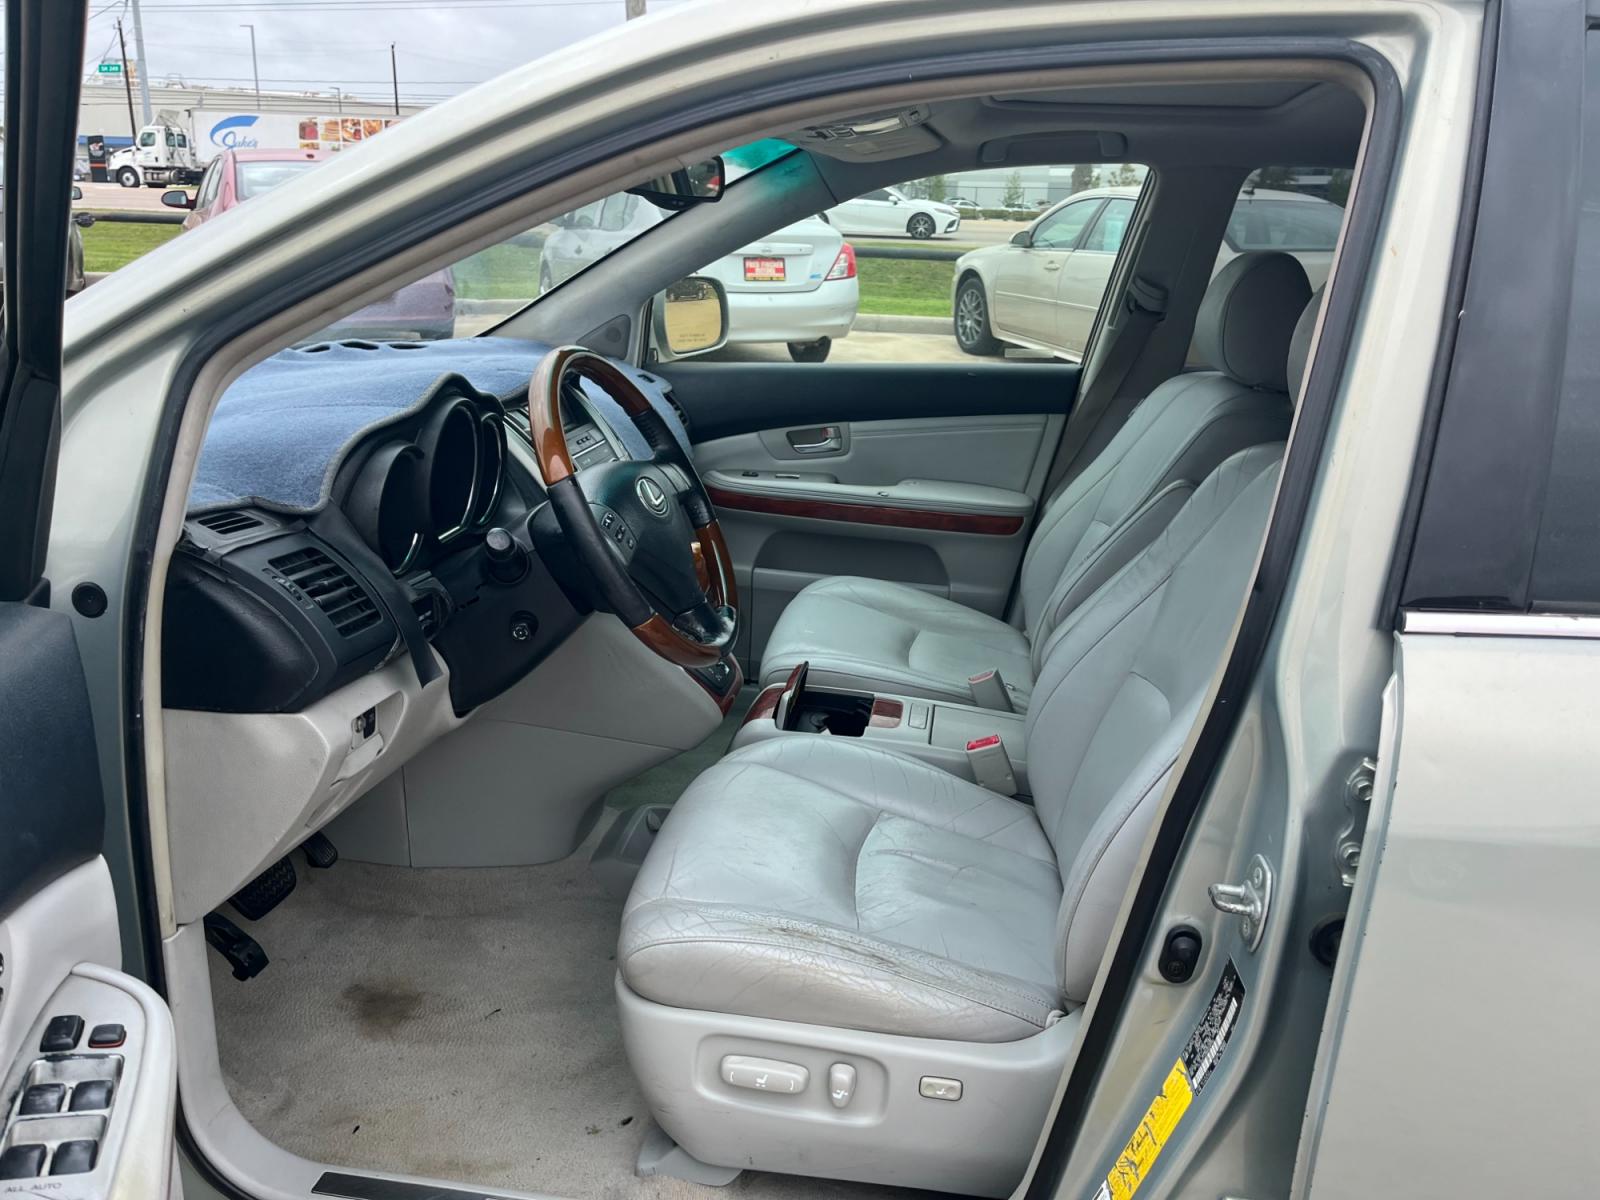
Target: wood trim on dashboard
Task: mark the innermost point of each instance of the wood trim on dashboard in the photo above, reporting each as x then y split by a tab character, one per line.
993	525
886	713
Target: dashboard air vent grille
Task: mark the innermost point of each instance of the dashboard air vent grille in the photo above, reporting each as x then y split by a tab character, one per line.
328	586
229	522
683	417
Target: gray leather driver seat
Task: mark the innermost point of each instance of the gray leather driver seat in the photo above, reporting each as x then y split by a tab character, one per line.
877	636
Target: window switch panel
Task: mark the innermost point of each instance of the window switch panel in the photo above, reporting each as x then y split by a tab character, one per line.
22	1162
91	1096
74	1158
61	1034
42	1098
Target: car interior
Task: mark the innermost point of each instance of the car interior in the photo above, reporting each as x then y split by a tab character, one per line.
590	767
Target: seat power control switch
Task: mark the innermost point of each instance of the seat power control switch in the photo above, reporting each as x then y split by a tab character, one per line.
841	1084
936	1087
764	1074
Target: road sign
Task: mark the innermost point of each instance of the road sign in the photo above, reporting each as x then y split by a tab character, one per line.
114	68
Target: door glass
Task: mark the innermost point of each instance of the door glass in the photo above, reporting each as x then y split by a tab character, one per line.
1061	230
1106	236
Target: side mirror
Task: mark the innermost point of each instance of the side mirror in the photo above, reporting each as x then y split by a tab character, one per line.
77	192
1023	237
699	183
83	220
691	317
177	198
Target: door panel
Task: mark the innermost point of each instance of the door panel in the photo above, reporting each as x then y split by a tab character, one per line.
929	474
1025	285
938	503
1087	272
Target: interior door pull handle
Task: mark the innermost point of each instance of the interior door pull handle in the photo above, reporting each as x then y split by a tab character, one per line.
816	441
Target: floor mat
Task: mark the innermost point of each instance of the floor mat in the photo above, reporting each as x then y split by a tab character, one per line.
458	1024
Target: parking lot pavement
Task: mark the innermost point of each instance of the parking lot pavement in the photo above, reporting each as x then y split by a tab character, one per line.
111	197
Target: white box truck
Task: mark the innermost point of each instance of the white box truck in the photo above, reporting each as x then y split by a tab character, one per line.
175	148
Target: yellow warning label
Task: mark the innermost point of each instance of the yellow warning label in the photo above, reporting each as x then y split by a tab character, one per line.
1138	1158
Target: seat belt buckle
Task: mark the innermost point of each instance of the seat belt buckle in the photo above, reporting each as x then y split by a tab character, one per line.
991	765
989	691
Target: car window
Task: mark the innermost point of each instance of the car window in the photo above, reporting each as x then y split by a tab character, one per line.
615	212
878	194
1268	224
147	138
252	179
209	184
1110	226
1062	228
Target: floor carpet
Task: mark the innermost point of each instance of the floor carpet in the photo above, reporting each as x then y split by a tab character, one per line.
458	1024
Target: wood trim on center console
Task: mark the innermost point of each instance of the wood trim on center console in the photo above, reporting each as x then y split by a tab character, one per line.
994	525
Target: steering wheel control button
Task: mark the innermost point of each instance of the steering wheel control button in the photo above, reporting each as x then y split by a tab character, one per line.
61	1034
841	1084
42	1098
109	1037
22	1162
74	1158
936	1087
764	1075
91	1096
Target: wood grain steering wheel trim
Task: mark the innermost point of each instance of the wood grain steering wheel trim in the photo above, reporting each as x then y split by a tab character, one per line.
556	465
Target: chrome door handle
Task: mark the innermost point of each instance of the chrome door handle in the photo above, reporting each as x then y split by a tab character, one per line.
824	439
1052	264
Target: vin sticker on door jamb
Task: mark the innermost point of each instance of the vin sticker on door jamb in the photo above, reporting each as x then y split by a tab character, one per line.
1200	1059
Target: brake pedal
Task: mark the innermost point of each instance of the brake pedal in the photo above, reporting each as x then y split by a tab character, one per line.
320	852
243	952
266	891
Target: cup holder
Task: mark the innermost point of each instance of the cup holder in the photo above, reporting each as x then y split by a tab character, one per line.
841	714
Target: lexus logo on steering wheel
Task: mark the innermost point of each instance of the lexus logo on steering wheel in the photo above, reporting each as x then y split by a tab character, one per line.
651	496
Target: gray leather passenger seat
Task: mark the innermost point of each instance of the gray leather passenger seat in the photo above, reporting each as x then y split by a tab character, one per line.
873	635
815	903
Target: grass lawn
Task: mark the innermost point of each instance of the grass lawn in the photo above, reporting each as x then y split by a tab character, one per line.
905	287
109	245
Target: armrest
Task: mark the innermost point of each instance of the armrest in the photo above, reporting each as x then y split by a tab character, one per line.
911	503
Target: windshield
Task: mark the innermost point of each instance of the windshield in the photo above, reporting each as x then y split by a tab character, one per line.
254	178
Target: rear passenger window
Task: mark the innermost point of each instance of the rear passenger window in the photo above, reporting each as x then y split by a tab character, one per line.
1106	236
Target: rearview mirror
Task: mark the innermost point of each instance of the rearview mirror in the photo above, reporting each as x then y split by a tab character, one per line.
699	183
1023	237
177	198
691	317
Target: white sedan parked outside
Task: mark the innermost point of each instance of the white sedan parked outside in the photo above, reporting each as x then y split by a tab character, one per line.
889	212
797	286
1042	289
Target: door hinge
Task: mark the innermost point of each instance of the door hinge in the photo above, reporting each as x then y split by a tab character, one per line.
1357	803
1249	901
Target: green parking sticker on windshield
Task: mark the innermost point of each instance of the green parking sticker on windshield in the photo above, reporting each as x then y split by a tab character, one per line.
1187	1079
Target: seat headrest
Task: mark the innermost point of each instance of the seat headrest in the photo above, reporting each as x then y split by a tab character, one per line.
1300	342
1248	315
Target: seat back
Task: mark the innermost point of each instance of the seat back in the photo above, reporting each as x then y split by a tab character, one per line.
1124	680
1173	440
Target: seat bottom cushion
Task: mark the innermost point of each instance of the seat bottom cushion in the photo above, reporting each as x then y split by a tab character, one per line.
875	636
817	880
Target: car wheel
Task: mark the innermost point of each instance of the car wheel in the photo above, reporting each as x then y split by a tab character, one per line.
128	177
816	351
921	226
972	319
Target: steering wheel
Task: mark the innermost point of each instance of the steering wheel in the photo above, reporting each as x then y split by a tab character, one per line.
645	531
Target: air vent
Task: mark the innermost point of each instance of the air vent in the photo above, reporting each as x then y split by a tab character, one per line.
229	523
683	417
328	586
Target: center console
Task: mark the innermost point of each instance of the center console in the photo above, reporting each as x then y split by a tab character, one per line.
963	739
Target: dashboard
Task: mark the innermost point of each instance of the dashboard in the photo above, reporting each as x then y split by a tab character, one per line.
435	533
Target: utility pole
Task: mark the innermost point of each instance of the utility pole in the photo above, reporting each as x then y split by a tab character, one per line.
127	84
394	75
139	64
254	69
635	8
338	95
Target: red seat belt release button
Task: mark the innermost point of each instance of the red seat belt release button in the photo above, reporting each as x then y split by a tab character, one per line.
991	765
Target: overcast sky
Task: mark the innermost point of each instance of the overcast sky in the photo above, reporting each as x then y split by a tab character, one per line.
442	46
